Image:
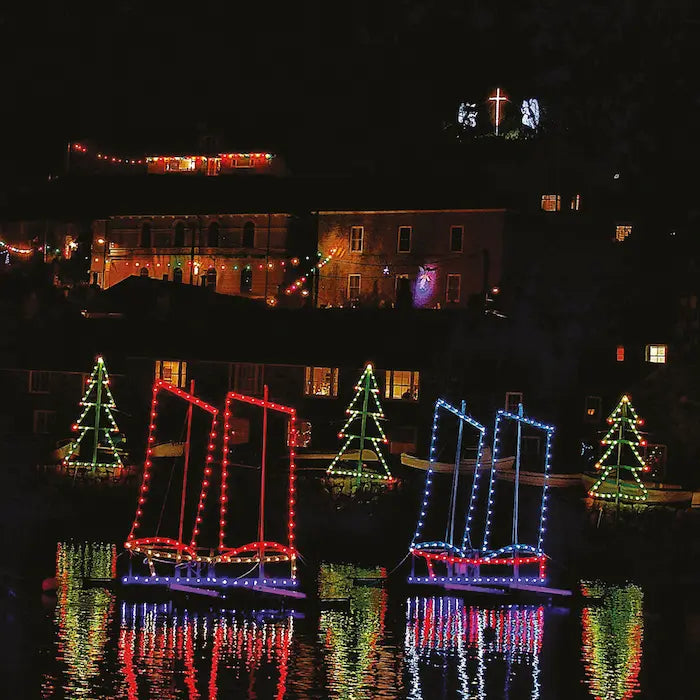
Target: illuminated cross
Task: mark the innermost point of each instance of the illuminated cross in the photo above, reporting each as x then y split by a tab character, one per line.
498	99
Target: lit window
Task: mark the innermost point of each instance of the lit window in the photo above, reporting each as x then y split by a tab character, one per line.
404	244
246	280
656	354
576	202
357	234
513	399
456	239
620	353
454	282
39	382
321	381
354	287
44	422
401	384
622	231
172	371
593	406
551	202
249	379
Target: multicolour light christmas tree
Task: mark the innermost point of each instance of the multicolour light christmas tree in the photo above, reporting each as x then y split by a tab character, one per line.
97	420
623	433
359	410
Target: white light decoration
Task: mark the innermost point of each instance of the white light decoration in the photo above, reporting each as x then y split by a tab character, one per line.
467	113
530	110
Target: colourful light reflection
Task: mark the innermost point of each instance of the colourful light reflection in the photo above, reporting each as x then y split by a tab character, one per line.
82	618
612	640
167	653
359	664
449	644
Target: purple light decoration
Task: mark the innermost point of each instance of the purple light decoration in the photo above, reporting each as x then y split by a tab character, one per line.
424	287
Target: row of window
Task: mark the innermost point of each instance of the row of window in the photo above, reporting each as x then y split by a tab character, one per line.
656	354
452	293
211	239
208	279
318	381
552	202
404	239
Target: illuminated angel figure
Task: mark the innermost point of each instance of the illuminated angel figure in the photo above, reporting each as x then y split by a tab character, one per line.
466	115
531	113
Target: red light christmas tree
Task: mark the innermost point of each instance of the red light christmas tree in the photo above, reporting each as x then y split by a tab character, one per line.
359	410
96	421
623	433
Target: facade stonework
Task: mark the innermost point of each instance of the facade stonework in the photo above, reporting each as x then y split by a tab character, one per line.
447	257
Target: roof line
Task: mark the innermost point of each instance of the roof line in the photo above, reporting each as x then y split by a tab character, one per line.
408	211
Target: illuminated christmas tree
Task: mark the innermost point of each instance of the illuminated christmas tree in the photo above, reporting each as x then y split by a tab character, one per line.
623	439
364	414
95	448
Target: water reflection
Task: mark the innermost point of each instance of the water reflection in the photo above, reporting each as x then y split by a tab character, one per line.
360	661
82	618
483	652
166	653
613	629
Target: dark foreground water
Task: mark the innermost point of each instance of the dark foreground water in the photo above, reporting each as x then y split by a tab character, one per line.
384	642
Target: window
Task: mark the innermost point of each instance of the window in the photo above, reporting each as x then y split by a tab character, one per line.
39	382
593	408
622	231
404	244
249	235
44	422
656	354
401	384
576	202
620	355
146	235
211	278
246	280
144	271
513	399
177	275
456	239
213	235
357	234
354	287
321	381
454	282
179	234
172	371
248	378
551	202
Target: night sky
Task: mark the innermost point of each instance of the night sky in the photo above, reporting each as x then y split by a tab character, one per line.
335	83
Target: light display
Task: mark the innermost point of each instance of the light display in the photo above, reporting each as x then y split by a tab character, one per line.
530	109
497	98
466	650
96	420
15	249
612	635
467	113
298	284
622	433
359	410
463	563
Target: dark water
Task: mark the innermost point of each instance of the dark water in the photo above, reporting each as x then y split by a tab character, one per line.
384	642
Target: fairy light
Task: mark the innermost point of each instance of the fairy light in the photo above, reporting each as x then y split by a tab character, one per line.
299	282
354	414
623	419
15	249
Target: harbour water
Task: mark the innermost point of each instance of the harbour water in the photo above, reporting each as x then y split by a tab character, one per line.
368	640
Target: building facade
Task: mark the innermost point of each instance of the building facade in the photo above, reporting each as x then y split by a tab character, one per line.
237	254
425	258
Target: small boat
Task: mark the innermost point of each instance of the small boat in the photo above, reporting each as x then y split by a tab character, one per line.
658	493
504	470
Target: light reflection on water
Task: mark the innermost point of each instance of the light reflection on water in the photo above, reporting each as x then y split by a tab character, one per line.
362	645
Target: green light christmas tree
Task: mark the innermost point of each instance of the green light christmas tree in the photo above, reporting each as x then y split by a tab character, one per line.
96	425
370	435
623	433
